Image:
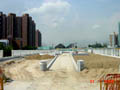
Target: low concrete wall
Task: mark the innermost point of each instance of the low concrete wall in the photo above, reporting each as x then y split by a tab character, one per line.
9	58
23	52
74	63
107	52
52	61
30	52
1	53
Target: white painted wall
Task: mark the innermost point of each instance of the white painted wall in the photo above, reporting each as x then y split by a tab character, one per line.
29	52
1	53
107	52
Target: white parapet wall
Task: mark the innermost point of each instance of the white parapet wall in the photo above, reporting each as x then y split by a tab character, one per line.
1	53
107	51
74	63
30	52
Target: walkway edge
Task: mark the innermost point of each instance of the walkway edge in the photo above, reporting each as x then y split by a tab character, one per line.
74	63
51	62
9	58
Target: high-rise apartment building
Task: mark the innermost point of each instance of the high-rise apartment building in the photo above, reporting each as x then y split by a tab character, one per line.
20	31
3	26
25	28
113	40
17	41
4	33
30	33
11	27
119	34
18	27
33	33
38	38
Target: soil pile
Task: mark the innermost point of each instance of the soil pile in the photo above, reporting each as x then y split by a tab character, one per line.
39	57
97	61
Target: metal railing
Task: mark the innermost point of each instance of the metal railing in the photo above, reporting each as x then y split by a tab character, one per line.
110	82
1	80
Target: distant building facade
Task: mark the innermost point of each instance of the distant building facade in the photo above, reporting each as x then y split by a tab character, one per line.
19	30
11	27
18	27
17	41
119	34
30	32
38	39
3	26
25	27
113	40
4	34
33	33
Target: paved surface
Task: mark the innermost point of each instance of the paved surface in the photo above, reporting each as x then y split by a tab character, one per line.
64	63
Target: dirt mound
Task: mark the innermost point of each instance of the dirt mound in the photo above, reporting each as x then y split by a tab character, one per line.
97	61
39	57
9	63
24	69
18	71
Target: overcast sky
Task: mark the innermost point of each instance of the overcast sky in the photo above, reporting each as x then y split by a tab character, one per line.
67	21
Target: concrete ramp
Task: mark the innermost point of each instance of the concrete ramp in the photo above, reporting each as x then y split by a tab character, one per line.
63	62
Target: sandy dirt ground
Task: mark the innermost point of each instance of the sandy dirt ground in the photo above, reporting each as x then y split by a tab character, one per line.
62	76
95	61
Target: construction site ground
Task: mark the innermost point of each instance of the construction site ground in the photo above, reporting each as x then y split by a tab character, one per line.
26	75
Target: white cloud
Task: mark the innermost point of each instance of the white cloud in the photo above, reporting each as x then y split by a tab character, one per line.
51	7
50	16
50	13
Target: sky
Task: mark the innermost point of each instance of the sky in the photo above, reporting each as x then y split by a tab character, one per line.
69	21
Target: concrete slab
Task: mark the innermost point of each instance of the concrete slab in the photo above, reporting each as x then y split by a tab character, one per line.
63	62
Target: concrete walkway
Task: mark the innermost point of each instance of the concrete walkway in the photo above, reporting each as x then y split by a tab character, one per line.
64	63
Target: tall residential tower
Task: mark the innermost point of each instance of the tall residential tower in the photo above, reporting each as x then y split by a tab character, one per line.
113	40
20	31
119	34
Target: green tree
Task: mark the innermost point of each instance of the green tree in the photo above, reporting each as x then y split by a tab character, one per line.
29	48
7	50
1	46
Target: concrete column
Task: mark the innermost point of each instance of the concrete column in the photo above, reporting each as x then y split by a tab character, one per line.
112	52
80	64
1	53
91	51
43	65
118	52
